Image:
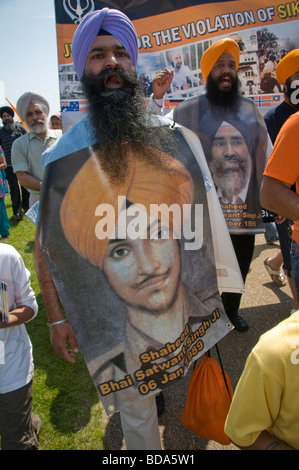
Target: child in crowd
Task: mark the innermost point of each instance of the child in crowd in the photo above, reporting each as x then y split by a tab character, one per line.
18	425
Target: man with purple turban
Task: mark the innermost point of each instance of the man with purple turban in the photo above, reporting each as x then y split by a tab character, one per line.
120	289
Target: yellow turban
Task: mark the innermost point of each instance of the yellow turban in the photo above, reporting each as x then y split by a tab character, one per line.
288	65
212	54
145	184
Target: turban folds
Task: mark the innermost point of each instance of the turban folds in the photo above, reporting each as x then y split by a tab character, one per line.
114	22
288	65
212	54
8	110
31	97
145	184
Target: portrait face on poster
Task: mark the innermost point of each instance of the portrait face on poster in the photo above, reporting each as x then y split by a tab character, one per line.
231	164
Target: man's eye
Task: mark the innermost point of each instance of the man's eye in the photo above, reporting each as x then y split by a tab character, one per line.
161	234
218	144
119	252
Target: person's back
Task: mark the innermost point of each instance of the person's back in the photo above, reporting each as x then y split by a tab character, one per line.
265	399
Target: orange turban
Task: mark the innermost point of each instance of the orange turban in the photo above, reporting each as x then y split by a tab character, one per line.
145	184
212	54
288	65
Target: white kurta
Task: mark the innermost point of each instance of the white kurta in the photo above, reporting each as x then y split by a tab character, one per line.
16	360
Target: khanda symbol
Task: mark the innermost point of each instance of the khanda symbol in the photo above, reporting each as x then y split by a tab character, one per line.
78	12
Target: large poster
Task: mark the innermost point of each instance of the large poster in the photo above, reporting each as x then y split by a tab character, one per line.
133	264
175	35
140	334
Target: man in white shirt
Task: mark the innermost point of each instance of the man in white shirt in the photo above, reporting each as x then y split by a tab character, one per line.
26	152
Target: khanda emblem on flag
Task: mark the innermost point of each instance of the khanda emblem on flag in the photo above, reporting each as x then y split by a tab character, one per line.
77	12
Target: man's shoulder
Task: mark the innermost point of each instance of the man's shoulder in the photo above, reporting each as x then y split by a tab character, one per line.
247	102
198	99
54	133
198	104
21	128
291	124
277	339
76	138
21	141
8	251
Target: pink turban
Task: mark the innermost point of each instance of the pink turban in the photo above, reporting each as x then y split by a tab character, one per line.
114	22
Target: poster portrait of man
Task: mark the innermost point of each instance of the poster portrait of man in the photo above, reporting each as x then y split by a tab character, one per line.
235	143
234	174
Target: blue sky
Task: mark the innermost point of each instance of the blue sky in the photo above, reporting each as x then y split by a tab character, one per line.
28	51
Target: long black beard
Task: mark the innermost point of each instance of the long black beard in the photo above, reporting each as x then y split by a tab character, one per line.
10	127
221	98
119	119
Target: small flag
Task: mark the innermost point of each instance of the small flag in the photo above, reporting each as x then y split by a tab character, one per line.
74	105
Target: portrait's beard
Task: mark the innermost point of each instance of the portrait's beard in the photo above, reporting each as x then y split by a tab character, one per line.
222	98
38	127
233	180
292	93
120	121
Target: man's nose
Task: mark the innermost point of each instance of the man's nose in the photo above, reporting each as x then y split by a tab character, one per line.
147	263
111	60
226	69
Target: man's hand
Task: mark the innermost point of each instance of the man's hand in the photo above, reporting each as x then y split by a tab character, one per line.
161	83
64	342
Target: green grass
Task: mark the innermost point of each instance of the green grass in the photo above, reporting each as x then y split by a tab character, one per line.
64	396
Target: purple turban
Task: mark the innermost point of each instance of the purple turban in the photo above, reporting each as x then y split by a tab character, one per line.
114	22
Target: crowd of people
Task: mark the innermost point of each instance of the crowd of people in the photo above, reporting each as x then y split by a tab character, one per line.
251	163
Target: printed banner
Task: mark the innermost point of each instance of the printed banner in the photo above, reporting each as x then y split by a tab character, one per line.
175	34
133	263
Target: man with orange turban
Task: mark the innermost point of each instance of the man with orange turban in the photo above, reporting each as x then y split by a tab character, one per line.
223	101
102	276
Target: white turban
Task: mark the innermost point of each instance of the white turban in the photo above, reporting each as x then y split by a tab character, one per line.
31	97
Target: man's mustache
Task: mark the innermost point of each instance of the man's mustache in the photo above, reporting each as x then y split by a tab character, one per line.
235	158
38	121
225	75
100	79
